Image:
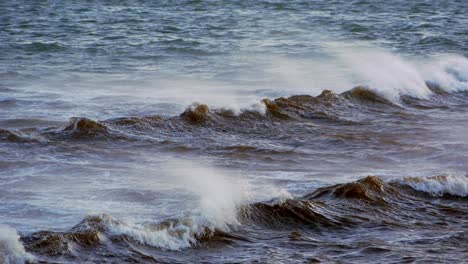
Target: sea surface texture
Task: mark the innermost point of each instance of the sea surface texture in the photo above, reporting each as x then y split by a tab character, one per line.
234	131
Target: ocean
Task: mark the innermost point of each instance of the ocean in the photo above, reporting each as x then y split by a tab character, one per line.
234	131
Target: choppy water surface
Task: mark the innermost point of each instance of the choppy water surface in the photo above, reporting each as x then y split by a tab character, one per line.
233	131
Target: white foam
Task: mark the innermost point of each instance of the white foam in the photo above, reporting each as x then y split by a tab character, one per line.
338	66
384	72
292	76
440	185
215	94
11	249
219	195
449	72
220	192
177	236
346	65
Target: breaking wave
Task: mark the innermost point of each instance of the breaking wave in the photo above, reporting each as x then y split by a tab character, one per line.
225	216
350	107
393	76
449	72
102	230
439	185
11	249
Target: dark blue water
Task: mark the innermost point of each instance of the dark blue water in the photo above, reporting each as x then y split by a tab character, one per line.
215	131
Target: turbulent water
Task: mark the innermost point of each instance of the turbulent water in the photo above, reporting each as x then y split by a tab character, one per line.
233	131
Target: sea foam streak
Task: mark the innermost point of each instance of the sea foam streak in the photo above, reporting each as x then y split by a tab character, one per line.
11	249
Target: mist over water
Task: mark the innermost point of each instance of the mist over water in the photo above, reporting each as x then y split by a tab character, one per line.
233	131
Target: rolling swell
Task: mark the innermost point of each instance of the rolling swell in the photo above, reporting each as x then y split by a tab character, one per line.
352	107
101	236
370	202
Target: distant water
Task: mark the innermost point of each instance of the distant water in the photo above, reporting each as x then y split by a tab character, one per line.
233	131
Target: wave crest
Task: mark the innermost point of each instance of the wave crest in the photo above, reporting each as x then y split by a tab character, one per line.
197	113
88	233
80	127
364	94
371	189
10	136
